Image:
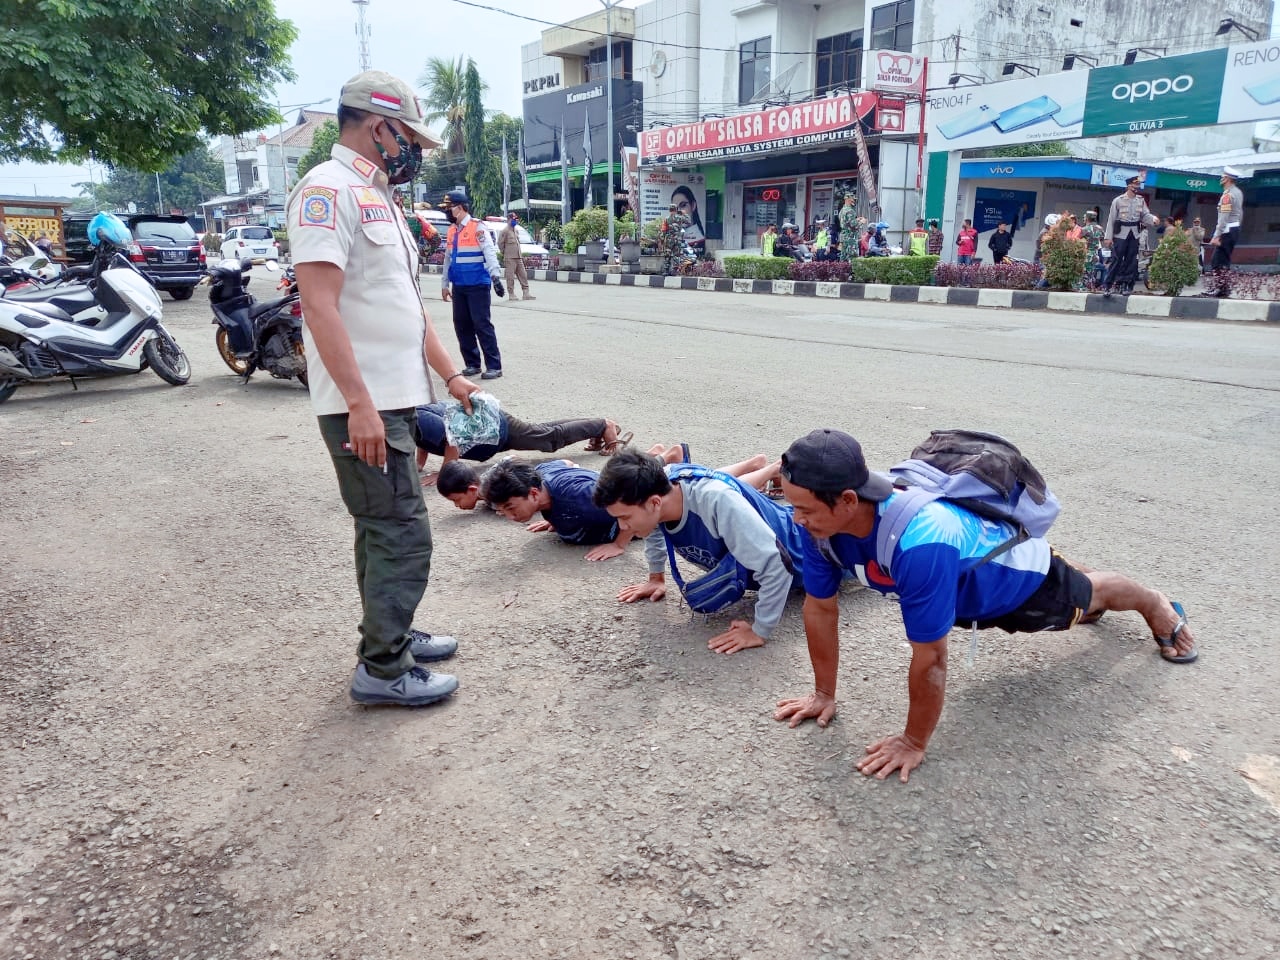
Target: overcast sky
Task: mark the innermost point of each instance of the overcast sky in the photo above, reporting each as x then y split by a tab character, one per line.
402	37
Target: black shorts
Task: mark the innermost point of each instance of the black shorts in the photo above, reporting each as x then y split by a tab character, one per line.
1058	603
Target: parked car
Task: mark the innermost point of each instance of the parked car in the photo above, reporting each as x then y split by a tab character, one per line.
250	243
167	251
535	255
75	241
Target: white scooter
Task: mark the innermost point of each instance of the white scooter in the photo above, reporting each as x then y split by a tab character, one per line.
39	341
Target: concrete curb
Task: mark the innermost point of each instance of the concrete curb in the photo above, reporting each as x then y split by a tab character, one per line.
1171	308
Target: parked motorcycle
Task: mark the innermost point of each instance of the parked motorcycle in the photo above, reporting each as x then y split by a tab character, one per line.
73	291
257	335
40	341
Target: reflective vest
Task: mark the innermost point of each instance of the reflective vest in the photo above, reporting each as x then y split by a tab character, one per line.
466	266
919	242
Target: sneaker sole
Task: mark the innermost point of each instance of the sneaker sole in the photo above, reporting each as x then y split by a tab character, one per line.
373	700
435	659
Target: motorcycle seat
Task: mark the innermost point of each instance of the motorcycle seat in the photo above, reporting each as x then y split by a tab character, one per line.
264	307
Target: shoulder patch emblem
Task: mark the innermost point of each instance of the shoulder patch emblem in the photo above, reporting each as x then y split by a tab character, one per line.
373	207
363	167
318	207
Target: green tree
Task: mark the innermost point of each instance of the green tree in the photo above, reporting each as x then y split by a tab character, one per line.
191	179
473	127
321	146
484	174
135	83
444	82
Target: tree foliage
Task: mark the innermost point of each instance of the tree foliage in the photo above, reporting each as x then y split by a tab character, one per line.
321	146
485	177
473	125
1175	264
1045	148
193	178
135	82
444	82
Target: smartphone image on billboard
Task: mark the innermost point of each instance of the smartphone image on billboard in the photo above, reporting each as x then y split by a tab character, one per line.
1071	114
1266	92
1025	114
968	123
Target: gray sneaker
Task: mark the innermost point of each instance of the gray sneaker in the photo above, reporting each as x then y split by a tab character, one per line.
427	648
417	688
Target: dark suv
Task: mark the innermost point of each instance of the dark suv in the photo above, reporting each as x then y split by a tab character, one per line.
167	250
75	239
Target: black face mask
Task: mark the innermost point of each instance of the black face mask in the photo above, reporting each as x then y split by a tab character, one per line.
405	165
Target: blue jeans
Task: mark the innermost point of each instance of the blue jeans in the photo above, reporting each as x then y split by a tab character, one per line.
964	259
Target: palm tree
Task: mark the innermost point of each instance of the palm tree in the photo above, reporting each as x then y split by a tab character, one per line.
443	80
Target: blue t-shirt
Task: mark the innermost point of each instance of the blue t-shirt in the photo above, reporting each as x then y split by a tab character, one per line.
430	434
573	516
934	577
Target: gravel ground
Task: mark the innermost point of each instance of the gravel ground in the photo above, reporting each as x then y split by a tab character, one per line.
184	777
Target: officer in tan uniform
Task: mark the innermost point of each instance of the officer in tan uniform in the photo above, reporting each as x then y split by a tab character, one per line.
1226	233
369	342
1129	216
513	260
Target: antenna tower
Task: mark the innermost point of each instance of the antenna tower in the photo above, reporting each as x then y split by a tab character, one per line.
362	34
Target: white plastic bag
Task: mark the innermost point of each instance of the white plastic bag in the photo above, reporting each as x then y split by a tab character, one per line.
482	428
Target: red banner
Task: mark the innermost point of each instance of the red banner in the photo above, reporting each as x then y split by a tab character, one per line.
824	120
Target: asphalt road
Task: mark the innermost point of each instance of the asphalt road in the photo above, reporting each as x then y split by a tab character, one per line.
184	776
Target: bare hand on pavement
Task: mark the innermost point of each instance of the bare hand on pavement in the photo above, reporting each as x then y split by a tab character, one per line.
643	591
739	636
898	752
816	706
606	551
539	526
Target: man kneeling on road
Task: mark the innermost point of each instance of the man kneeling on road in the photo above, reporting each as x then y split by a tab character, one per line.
933	573
703	518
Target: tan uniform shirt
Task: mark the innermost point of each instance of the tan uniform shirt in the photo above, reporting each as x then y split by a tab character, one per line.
1131	211
342	212
1230	211
509	244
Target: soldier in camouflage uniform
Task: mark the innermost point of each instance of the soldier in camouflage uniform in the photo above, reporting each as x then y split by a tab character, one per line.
852	227
1092	233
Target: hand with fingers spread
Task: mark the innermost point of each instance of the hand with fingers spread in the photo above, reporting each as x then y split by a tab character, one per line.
898	752
539	526
605	551
739	636
816	706
652	589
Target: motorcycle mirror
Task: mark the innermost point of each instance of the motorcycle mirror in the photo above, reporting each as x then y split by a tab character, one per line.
272	266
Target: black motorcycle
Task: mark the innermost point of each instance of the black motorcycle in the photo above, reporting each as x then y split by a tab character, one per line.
257	335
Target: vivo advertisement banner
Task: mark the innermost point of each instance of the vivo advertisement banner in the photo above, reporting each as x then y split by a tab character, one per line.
1155	94
994	207
1000	114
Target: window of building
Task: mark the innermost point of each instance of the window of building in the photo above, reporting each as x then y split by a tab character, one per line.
839	62
764	204
891	26
596	66
753	68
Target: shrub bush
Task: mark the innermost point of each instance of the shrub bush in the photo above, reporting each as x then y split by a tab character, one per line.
1175	264
999	276
1246	285
756	267
825	270
705	268
1063	258
911	271
586	225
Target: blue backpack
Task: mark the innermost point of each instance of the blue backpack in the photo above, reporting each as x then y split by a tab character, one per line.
728	580
979	472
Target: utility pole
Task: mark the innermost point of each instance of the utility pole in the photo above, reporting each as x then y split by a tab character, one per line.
362	34
608	39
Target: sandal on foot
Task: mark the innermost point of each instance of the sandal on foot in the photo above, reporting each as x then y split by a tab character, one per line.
1170	642
609	447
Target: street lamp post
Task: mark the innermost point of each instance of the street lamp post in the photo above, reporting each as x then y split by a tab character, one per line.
284	167
608	39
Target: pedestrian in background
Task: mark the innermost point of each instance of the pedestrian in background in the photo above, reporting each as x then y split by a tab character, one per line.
1091	233
768	239
1000	243
936	239
918	240
852	228
470	269
1197	234
369	342
966	243
513	259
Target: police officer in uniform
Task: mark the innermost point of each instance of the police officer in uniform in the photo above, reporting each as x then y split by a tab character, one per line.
369	342
1227	231
1129	216
470	269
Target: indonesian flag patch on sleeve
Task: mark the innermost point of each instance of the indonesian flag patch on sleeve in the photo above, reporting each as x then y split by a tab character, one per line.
318	207
384	100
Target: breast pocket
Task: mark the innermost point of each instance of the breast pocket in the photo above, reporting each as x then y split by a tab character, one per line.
380	251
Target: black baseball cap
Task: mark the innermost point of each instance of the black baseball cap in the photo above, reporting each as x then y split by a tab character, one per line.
831	461
1133	179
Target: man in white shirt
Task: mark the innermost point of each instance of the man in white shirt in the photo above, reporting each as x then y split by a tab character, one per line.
369	342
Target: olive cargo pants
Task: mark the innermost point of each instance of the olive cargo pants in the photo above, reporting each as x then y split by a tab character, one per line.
393	539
